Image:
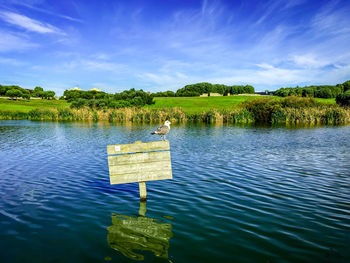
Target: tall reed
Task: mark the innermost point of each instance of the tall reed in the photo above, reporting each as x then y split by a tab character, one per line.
265	111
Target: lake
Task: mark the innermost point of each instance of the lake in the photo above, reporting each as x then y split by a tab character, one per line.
238	194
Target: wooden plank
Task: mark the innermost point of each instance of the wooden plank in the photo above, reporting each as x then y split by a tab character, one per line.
139	167
138	147
115	160
141	176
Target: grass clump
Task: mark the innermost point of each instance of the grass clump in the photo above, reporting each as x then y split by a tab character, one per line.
295	110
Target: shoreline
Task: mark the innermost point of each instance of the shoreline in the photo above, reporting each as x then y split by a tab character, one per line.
312	116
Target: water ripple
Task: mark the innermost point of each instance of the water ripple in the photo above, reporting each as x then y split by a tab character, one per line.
244	194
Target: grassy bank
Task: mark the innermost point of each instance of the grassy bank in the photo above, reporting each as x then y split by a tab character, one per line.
235	109
25	106
195	105
189	105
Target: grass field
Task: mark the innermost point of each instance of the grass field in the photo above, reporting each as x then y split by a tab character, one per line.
27	105
190	105
326	101
200	104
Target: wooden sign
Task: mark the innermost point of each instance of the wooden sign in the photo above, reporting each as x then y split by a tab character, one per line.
139	162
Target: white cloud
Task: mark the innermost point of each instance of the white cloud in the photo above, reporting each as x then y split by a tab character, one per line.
265	66
13	42
31	6
95	65
11	61
29	23
309	61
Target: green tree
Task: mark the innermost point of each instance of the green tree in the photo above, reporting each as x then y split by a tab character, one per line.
26	96
14	93
38	92
49	94
346	85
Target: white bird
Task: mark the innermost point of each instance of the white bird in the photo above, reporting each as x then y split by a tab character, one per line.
163	130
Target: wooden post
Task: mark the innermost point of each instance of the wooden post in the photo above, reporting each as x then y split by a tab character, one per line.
143	191
143	209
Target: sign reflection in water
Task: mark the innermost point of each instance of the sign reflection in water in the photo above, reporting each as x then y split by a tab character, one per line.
127	234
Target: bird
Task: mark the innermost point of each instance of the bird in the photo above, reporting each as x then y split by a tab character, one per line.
163	130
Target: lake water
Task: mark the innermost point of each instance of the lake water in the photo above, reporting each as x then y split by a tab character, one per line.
238	194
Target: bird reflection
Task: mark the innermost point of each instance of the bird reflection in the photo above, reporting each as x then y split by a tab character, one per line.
127	234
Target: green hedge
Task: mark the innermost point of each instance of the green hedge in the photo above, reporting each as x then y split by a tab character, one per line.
343	99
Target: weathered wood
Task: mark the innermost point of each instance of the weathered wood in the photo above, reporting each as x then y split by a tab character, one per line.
141	177
139	162
143	192
116	160
143	208
138	147
139	167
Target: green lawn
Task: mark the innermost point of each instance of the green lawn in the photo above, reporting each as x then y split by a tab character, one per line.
200	104
203	104
326	101
188	104
27	105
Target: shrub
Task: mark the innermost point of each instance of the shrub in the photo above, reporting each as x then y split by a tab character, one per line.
343	99
298	102
164	94
78	104
13	115
65	114
35	114
119	104
262	109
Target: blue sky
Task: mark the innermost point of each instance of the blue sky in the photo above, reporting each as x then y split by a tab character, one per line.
166	44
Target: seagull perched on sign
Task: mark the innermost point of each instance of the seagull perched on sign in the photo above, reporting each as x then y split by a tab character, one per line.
163	130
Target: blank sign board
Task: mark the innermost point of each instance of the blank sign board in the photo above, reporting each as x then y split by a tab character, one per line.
139	162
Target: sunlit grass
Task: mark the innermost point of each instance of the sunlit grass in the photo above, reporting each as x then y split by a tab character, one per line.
326	101
27	105
189	105
193	105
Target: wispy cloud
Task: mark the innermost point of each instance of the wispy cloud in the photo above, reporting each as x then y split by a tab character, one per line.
29	23
269	8
45	11
14	42
95	65
331	20
11	61
310	61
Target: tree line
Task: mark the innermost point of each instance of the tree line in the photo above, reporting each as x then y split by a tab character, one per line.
315	91
341	92
198	89
15	92
100	100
